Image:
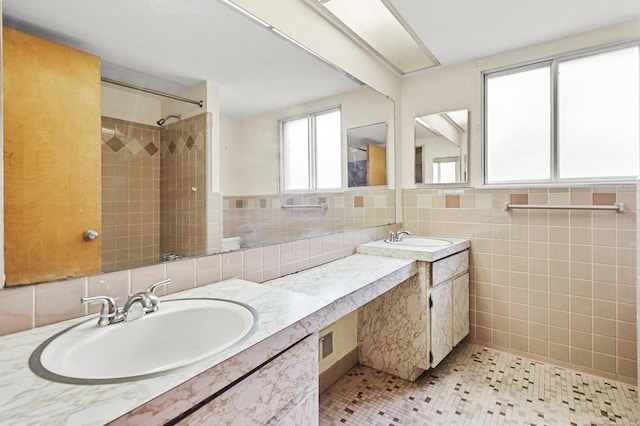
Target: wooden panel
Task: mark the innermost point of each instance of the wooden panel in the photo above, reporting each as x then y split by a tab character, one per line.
51	159
376	165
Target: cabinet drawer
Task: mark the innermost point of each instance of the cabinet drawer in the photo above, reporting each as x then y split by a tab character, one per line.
449	267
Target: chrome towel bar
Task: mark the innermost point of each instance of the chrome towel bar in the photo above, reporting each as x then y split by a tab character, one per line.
305	206
619	207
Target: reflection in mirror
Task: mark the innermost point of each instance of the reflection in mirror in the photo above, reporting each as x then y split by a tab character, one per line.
163	181
441	147
256	212
367	155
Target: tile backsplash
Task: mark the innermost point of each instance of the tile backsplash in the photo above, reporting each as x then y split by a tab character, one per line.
553	284
25	307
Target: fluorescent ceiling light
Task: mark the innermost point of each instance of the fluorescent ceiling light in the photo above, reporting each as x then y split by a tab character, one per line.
375	23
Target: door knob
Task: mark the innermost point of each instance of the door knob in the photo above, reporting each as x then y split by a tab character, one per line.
90	235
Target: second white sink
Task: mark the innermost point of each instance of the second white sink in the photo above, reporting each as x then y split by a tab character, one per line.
181	332
420	242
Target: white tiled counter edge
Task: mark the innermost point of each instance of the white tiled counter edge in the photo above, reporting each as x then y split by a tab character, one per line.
287	314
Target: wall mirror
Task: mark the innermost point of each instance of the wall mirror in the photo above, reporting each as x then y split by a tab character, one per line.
367	155
213	168
441	147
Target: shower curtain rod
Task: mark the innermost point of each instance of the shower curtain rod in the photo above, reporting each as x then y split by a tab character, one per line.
154	92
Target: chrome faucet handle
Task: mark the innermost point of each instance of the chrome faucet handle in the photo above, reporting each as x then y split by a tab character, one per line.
151	292
109	311
142	298
152	288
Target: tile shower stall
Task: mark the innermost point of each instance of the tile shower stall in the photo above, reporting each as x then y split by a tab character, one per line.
154	192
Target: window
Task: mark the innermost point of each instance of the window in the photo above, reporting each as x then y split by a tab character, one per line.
567	119
312	152
445	170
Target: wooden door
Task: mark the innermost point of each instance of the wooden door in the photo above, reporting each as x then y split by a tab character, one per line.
376	165
51	97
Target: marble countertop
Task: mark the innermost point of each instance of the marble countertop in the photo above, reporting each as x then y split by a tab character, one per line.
28	399
347	284
312	297
427	254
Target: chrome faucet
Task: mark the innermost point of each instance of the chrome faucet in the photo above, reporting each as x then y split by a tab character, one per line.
396	237
109	314
148	301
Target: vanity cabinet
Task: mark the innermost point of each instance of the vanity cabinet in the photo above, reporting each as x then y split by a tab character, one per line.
413	327
284	391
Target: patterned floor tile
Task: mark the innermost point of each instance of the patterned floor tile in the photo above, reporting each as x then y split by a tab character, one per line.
479	386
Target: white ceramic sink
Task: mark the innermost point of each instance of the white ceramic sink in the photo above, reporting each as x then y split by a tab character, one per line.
181	332
420	242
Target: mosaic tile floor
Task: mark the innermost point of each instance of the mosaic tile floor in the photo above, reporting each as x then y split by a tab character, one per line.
480	386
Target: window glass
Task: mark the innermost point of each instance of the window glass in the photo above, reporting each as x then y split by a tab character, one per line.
312	152
295	144
444	171
566	119
598	110
328	150
519	126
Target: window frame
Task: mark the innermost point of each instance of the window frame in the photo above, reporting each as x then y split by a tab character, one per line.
312	158
552	62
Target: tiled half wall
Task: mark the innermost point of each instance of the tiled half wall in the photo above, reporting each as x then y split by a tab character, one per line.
261	220
558	285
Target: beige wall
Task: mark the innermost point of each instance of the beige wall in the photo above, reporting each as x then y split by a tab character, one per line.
458	87
555	285
130	105
250	147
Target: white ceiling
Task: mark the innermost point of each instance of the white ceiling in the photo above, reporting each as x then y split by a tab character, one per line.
172	44
456	31
169	45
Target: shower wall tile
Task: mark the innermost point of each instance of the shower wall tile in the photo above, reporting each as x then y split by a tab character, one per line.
130	194
555	285
184	209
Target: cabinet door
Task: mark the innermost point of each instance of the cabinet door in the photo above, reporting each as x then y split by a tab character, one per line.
460	299
441	331
51	97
